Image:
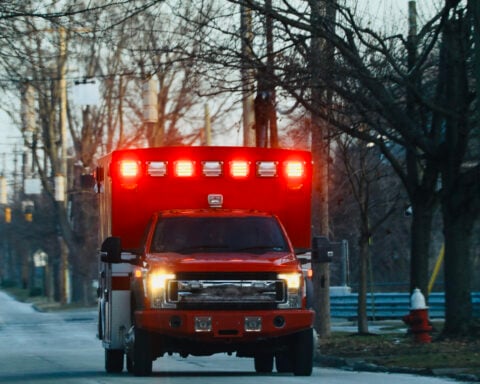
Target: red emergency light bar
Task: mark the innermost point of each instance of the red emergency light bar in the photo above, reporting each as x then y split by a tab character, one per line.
237	168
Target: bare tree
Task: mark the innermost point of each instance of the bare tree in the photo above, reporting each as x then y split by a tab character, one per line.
364	169
107	48
369	77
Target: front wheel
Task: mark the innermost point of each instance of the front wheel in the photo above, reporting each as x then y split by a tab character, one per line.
264	362
142	355
302	357
283	362
113	360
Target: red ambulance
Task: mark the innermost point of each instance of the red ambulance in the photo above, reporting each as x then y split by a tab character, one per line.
199	256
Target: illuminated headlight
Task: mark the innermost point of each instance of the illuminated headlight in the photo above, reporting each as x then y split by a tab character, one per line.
294	280
157	283
294	283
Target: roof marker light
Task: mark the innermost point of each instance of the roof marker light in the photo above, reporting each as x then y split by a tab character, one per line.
267	168
295	169
157	168
212	168
184	168
129	168
239	168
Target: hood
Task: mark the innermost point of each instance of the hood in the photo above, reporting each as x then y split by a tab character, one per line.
224	262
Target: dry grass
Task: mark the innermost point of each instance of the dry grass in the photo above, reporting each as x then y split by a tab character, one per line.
398	350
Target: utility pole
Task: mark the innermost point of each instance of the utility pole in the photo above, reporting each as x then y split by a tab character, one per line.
271	74
418	263
208	126
248	117
61	179
150	109
321	61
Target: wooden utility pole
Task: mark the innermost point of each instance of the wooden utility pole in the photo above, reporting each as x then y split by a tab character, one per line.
62	177
248	76
321	61
418	261
271	75
208	127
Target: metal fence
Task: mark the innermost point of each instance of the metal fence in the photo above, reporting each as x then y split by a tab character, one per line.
391	305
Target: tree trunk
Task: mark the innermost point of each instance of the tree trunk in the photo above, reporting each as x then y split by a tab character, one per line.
421	228
458	305
460	198
362	284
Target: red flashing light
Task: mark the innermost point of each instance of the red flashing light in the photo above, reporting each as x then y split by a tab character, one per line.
239	168
295	169
129	168
184	168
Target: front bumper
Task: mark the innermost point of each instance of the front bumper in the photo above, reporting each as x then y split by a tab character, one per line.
220	324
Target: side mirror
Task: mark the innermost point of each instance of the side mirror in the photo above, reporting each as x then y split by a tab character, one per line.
322	251
111	250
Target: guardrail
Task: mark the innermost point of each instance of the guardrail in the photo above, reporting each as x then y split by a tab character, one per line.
391	305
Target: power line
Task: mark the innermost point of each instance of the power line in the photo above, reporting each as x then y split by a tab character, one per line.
69	78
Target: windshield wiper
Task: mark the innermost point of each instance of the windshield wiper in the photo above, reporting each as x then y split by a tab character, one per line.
260	249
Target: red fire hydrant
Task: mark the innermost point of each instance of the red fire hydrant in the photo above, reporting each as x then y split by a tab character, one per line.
417	319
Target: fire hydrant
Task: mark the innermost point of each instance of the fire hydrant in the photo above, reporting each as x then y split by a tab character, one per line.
417	319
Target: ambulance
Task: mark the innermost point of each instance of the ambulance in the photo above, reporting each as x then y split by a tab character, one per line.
200	255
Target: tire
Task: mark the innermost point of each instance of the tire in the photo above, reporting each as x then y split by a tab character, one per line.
302	357
113	360
129	365
142	355
264	363
283	362
100	324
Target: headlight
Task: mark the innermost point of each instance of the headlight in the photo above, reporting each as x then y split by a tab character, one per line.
294	280
157	288
159	279
294	289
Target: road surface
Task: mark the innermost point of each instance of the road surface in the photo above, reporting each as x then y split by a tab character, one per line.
61	347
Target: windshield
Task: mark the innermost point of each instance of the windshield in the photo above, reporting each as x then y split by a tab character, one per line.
218	234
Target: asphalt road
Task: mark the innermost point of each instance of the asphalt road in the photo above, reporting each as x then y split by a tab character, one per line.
61	347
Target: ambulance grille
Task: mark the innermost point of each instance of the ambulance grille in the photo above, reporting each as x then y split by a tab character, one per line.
227	291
